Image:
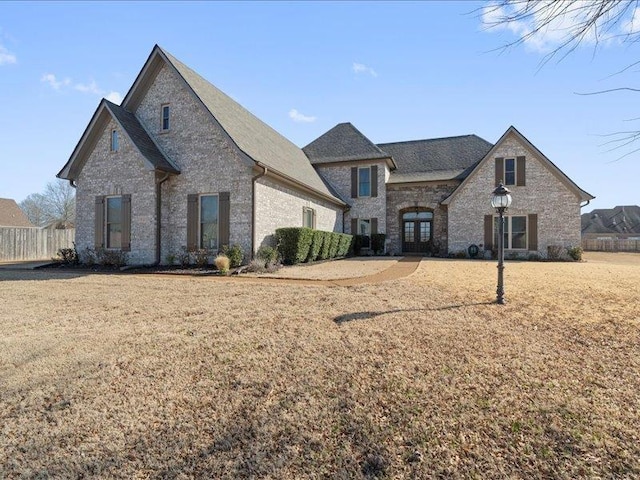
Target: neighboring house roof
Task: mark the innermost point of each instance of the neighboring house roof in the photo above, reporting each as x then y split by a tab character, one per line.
11	215
261	143
130	126
344	143
559	174
435	159
620	219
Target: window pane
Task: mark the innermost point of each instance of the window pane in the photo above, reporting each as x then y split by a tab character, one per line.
364	227
209	208
114	235
209	235
510	171
409	231
425	231
114	141
364	182
114	210
417	216
518	232
165	117
308	217
496	229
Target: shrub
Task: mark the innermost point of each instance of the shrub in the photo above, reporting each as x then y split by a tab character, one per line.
200	257
326	246
68	256
316	245
575	253
377	242
222	263
257	265
334	240
88	256
183	257
358	243
460	254
170	258
554	252
294	244
235	255
110	258
344	244
534	257
267	255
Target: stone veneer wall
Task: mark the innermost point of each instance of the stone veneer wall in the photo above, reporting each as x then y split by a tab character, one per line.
115	173
428	196
339	176
209	162
557	207
281	206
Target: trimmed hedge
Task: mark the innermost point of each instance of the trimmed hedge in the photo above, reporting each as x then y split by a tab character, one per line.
377	243
294	244
301	244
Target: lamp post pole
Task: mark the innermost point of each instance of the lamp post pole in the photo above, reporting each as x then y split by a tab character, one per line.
501	200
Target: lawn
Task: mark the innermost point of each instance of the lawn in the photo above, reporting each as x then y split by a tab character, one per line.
149	376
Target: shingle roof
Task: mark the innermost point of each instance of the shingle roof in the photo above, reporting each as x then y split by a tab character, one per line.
11	215
141	138
343	143
621	219
437	158
254	137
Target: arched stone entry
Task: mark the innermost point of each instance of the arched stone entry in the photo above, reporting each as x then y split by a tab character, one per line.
416	229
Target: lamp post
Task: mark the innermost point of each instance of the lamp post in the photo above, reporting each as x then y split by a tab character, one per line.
501	200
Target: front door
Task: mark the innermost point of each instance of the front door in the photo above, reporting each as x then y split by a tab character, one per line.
416	231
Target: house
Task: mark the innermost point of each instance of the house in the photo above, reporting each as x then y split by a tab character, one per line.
11	215
181	164
617	222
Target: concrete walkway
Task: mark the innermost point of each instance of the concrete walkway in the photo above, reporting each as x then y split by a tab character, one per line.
24	265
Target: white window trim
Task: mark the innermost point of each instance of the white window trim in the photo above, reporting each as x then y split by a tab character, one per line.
313	216
370	181
114	132
515	172
200	219
106	222
162	107
508	230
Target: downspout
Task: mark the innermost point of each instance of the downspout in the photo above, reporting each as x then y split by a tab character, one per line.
72	182
588	202
253	207
346	210
159	183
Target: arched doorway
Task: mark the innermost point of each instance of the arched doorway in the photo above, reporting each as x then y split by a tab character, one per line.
417	231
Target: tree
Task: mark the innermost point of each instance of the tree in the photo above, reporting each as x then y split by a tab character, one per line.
567	24
55	206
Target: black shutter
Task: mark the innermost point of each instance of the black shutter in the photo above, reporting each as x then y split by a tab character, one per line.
99	222
354	226
488	232
533	231
354	182
374	180
192	221
374	226
520	171
499	170
126	223
224	211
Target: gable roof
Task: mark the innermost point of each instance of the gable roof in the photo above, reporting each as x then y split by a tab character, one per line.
252	136
130	126
620	219
344	143
559	174
11	215
436	159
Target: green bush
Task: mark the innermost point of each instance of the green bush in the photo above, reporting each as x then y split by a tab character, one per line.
334	238
316	245
358	243
326	245
267	255
294	244
575	253
235	255
377	242
200	257
344	245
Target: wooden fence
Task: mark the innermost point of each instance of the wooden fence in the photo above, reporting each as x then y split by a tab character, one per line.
611	244
18	244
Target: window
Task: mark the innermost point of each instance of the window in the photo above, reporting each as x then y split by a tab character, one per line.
509	171
308	217
114	140
114	222
208	222
364	182
515	232
364	229
165	118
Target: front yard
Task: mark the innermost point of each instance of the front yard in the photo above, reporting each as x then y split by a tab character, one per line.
148	376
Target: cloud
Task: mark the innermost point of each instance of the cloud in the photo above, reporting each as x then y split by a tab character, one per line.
362	68
91	88
6	57
298	117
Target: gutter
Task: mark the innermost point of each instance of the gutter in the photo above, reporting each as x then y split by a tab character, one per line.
588	202
159	183
253	206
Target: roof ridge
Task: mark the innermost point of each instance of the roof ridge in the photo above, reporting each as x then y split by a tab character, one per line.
433	139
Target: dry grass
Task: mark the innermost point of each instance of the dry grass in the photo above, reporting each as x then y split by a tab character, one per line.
336	269
180	377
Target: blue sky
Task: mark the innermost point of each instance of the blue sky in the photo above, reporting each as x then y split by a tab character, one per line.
397	71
